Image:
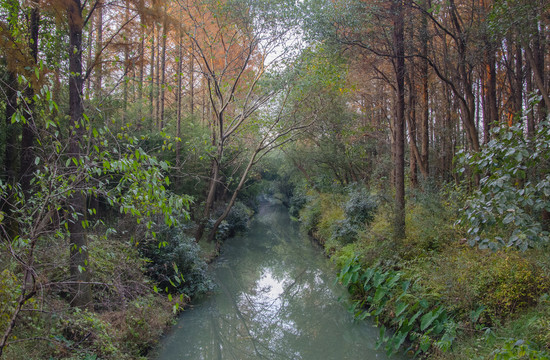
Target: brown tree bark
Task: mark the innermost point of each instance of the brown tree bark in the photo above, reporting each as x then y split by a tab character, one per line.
162	87
399	124
26	167
78	241
99	47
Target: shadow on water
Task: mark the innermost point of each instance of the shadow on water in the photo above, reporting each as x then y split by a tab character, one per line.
276	299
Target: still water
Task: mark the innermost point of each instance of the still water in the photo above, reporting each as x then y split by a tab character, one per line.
276	299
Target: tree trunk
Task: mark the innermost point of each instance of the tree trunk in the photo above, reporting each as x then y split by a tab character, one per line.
414	155
179	96
490	112
424	124
212	234
27	136
99	46
141	64
192	79
162	87
126	64
399	164
77	202
157	80
11	129
212	187
152	75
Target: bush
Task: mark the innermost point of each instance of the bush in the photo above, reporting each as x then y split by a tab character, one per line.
509	207
361	206
238	218
297	202
176	264
467	278
430	218
310	215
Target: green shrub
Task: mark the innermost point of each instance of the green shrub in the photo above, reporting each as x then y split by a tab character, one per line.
360	208
238	218
507	209
385	296
519	349
310	215
9	291
176	265
466	278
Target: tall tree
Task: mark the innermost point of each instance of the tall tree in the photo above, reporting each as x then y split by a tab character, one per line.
78	240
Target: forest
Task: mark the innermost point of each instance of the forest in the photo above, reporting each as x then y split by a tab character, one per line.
410	138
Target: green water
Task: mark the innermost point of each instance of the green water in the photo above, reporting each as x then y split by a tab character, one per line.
276	299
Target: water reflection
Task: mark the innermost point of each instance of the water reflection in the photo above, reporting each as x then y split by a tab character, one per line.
276	300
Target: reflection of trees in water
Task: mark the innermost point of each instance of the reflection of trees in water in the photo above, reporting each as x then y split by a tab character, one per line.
276	301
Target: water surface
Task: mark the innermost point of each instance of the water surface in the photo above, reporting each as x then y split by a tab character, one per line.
276	299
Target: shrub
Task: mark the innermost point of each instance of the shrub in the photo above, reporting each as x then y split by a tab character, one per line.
9	291
238	218
385	295
507	209
502	282
311	214
519	349
297	201
176	264
361	206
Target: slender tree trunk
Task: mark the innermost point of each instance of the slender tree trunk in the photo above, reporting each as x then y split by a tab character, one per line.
141	63
89	58
212	187
11	129
28	131
413	148
490	113
529	89
126	64
10	89
179	96
192	79
77	202
152	75
162	87
212	234
424	124
99	45
157	79
399	59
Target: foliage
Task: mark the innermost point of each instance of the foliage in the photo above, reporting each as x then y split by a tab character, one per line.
384	294
430	220
238	218
359	210
9	291
175	263
519	349
361	206
501	283
310	215
514	189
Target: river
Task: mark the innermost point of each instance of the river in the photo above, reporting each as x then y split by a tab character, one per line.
276	299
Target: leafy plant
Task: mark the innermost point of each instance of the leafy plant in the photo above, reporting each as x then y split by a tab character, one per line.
177	265
384	295
518	350
514	189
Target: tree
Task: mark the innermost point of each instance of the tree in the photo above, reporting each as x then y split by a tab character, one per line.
232	43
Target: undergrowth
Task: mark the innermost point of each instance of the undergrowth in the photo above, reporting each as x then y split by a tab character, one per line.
440	297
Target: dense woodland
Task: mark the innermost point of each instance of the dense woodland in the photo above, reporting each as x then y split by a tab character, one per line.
410	138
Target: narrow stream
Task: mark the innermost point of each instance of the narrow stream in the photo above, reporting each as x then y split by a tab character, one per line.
276	299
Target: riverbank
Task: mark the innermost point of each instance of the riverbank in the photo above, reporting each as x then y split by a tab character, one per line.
442	298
